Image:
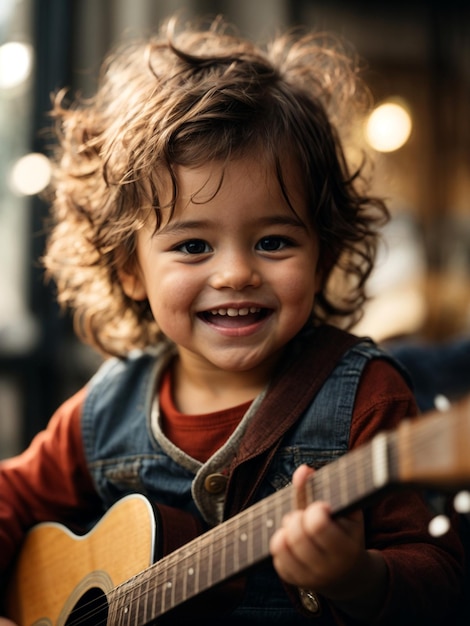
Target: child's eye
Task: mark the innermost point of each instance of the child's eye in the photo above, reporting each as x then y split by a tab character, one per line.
194	246
272	244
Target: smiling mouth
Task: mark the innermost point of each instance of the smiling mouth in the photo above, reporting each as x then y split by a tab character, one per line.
230	317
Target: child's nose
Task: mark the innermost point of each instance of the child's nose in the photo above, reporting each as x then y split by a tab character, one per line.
236	272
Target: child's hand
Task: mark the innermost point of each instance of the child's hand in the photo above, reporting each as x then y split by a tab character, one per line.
6	622
314	551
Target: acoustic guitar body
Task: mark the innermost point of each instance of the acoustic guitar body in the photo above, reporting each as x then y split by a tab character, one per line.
59	575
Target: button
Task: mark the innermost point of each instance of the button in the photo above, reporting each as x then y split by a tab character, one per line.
309	600
215	483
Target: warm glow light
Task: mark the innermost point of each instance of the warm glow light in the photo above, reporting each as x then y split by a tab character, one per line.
388	127
15	63
30	174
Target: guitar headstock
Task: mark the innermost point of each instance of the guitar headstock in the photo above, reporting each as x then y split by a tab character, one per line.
434	449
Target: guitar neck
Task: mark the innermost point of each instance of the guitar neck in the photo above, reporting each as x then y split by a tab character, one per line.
243	540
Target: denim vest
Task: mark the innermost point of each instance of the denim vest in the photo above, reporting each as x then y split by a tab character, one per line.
127	452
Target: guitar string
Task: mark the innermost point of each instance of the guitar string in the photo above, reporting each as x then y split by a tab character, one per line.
319	484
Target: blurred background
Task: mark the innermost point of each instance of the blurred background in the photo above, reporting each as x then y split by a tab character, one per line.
417	64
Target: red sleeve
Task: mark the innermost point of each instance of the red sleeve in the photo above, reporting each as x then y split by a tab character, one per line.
47	482
425	574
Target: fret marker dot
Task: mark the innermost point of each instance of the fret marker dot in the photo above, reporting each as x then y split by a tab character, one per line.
190	571
269	523
126	609
243	537
169	584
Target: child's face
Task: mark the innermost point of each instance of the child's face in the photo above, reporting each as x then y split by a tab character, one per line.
231	278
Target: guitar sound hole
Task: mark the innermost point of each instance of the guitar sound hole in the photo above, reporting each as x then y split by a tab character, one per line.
90	610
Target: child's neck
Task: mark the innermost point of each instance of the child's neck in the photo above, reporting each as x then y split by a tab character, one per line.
207	391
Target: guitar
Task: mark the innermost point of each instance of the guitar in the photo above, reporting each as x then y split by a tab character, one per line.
107	576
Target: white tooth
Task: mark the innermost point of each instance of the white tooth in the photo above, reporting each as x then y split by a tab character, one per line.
232	312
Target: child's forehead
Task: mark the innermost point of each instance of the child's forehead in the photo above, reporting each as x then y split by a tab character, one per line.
259	161
255	170
211	177
230	186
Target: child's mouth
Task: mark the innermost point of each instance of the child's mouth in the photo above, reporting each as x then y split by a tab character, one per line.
235	318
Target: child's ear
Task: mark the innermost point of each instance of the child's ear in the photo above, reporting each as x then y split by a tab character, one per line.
132	285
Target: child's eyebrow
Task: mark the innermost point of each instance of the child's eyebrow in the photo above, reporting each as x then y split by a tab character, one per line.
176	227
283	220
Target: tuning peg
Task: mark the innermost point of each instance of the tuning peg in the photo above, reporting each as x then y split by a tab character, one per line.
439	525
441	402
462	502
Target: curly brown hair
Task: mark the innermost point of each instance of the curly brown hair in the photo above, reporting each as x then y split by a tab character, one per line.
186	97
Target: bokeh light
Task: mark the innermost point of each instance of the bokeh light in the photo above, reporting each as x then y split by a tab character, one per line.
30	174
388	127
16	60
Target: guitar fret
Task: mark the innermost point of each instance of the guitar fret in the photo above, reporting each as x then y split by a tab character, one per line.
206	572
122	607
166	587
153	611
242	549
112	612
162	606
179	592
223	558
241	545
361	477
141	617
135	617
233	546
197	571
210	574
190	579
167	594
159	593
125	610
128	608
246	539
353	484
326	494
266	524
